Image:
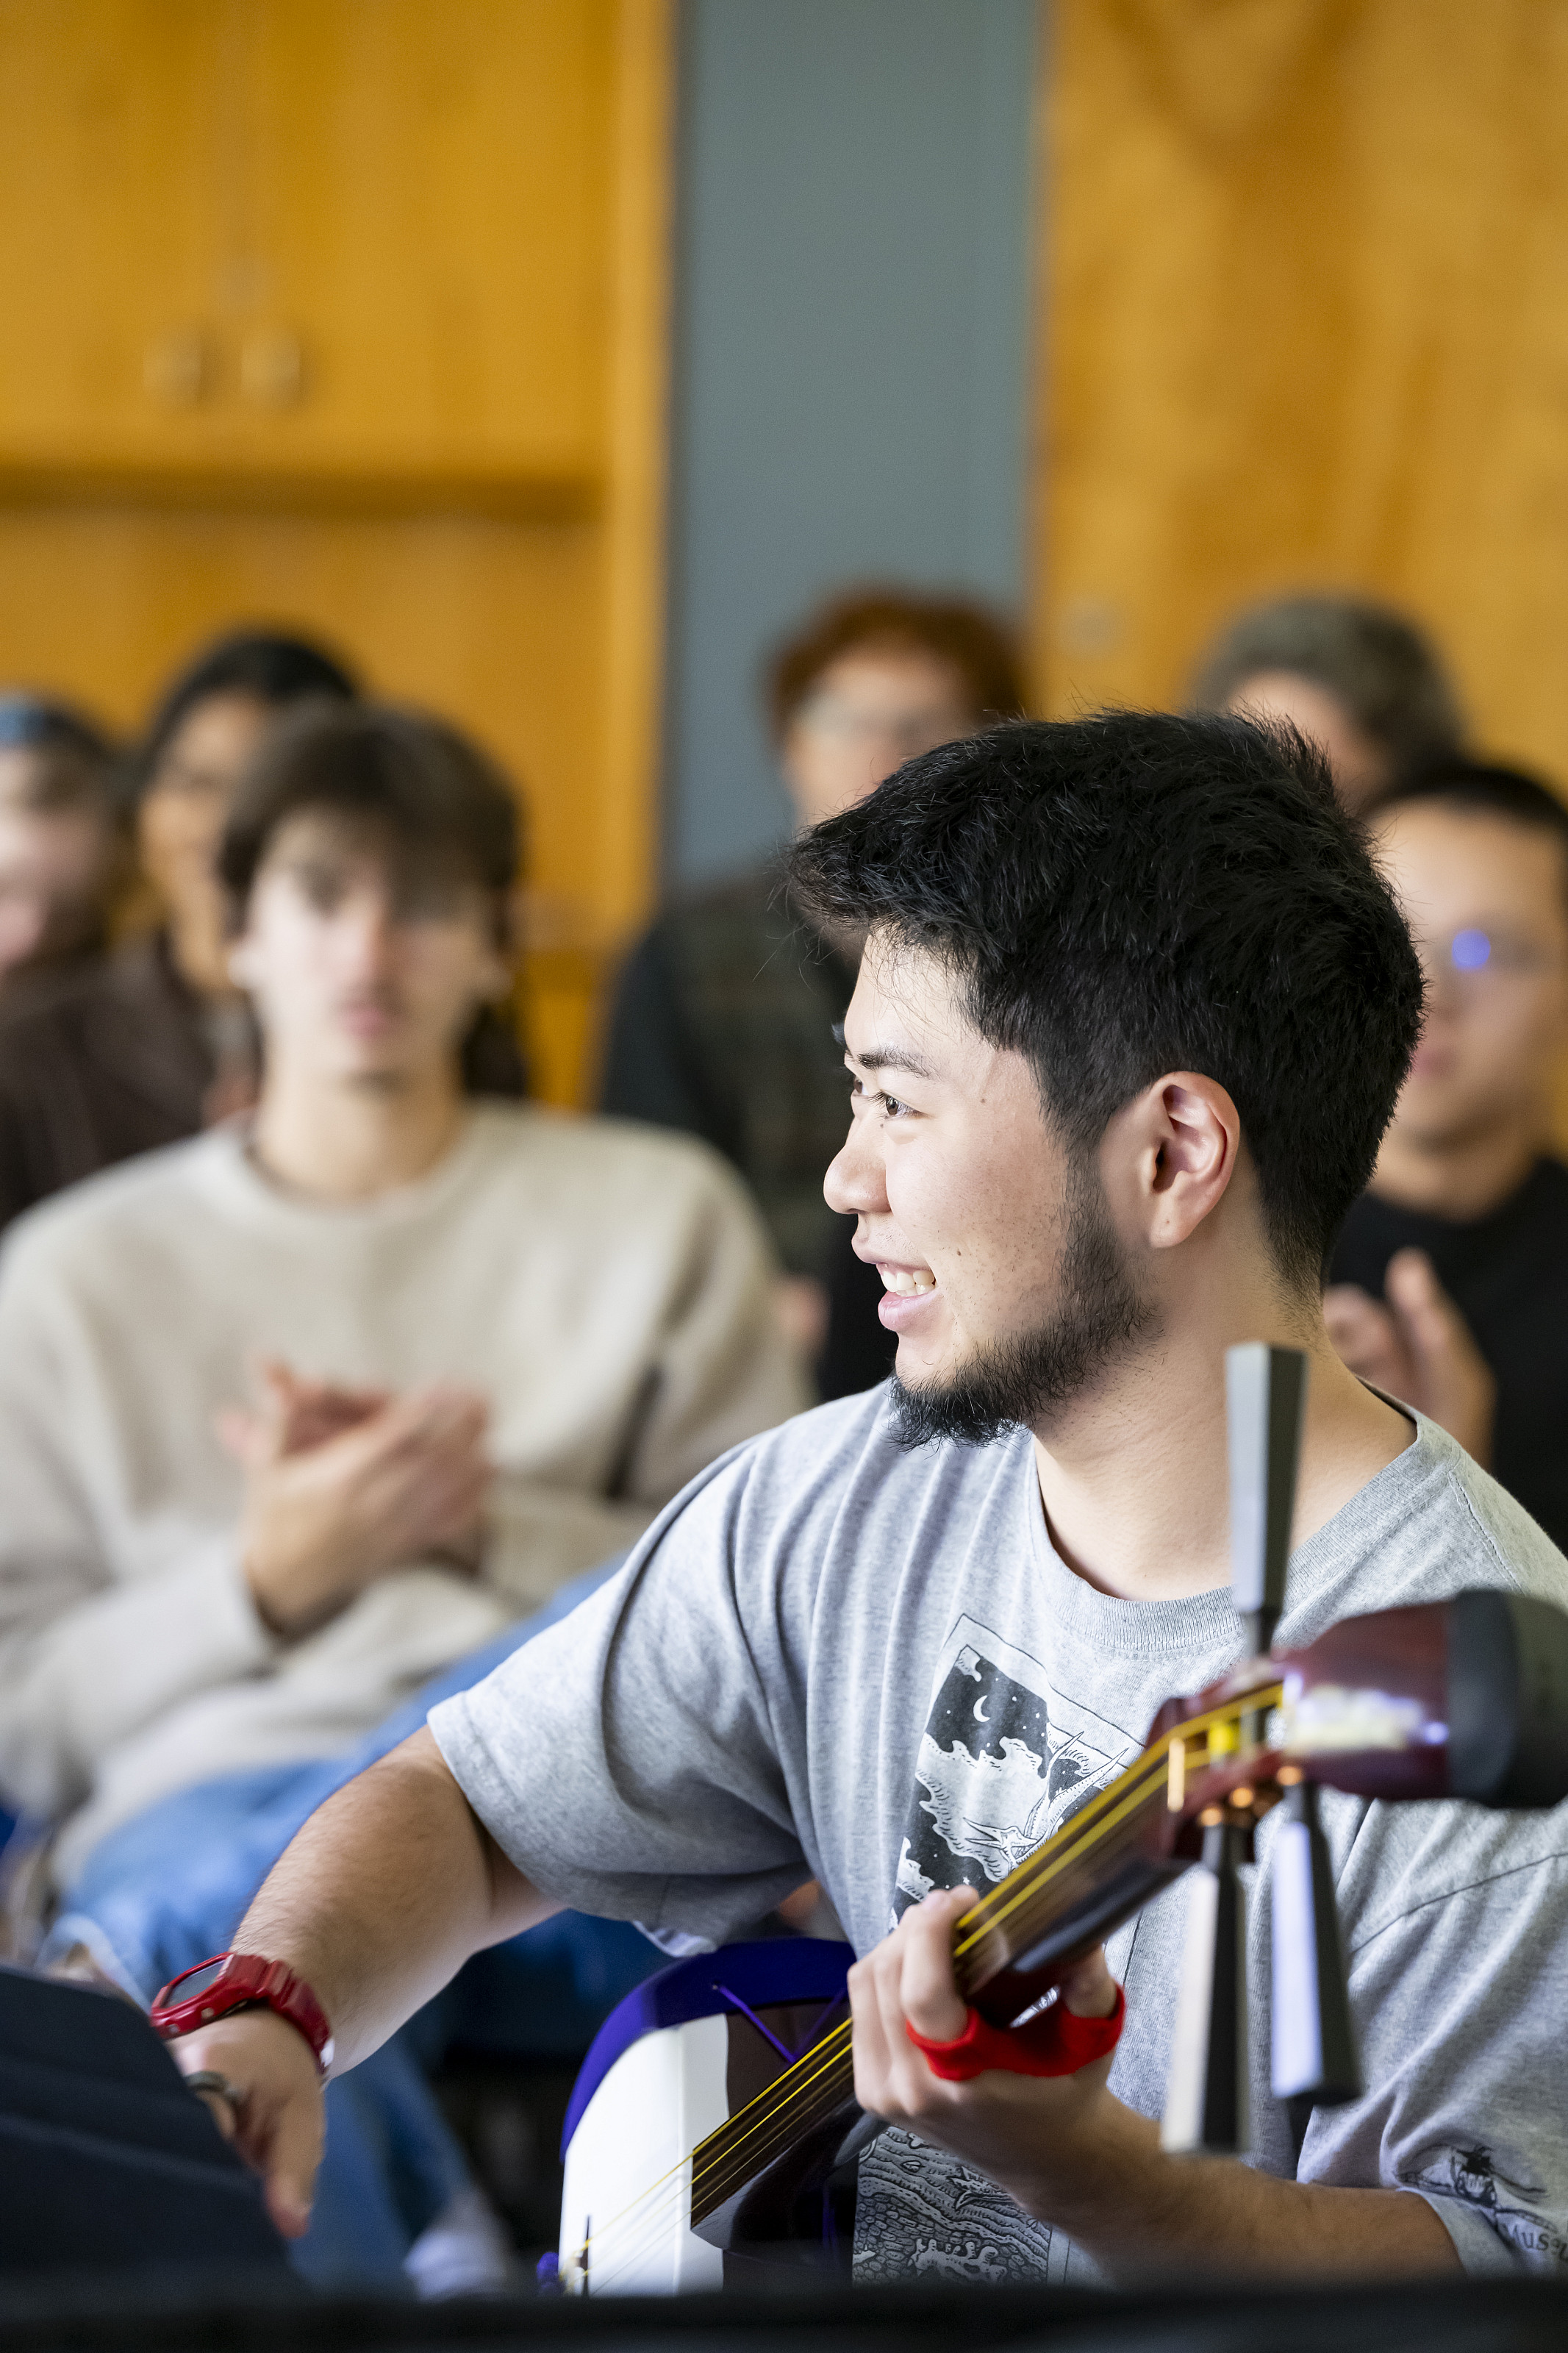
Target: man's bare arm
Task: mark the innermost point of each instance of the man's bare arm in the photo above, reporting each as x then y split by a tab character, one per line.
377	1903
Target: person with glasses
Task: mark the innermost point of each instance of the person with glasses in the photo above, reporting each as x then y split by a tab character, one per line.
1449	1283
723	1019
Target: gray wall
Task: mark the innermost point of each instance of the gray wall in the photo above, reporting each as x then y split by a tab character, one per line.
851	345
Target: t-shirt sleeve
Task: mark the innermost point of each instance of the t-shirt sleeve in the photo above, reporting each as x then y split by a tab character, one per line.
629	1761
1458	1973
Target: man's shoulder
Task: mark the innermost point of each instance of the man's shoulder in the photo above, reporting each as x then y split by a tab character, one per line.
1432	1523
156	1192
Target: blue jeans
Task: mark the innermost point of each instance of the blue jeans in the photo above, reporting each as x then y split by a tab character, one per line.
169	1888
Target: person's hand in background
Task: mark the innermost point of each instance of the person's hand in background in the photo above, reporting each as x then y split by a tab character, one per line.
342	1485
1415	1344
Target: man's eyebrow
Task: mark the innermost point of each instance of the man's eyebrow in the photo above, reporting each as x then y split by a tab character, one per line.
887	1058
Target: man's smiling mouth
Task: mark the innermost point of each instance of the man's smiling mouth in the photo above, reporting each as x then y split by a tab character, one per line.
907	1281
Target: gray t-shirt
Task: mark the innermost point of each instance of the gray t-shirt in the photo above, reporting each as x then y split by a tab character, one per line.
837	1657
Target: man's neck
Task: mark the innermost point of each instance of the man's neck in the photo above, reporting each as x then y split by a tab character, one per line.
1459	1176
335	1142
1136	1485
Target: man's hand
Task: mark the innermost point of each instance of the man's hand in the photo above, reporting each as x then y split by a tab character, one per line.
1076	2156
1042	2137
1417	1348
342	1485
275	2117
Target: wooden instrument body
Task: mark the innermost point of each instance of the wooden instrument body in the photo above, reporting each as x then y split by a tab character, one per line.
1366	1708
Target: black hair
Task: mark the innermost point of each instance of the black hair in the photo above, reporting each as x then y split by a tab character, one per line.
270	668
1388	675
1477	788
1135	892
411	775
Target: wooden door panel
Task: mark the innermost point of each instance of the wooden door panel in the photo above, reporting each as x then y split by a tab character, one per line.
1306	323
109	193
430	198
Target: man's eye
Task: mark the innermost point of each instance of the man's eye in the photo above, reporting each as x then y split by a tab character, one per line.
876	1098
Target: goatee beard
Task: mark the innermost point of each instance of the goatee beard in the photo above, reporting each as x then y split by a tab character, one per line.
1029	1378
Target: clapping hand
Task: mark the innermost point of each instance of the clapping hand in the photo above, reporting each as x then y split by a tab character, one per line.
344	1485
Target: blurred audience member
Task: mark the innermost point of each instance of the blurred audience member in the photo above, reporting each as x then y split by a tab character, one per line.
1450	1282
491	1342
146	1046
723	1025
1361	681
62	849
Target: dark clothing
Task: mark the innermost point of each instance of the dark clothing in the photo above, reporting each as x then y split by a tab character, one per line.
1508	1275
121	1057
722	1027
108	1061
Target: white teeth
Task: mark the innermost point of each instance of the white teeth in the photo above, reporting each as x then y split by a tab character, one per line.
906	1280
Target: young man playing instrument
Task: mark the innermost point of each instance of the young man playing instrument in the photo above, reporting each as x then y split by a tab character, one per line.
1132	1014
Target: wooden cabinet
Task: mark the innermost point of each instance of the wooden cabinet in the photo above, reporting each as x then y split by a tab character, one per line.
350	314
355	235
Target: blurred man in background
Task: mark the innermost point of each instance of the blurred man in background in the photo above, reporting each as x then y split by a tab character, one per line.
1449	1284
1361	680
491	1343
722	1024
63	857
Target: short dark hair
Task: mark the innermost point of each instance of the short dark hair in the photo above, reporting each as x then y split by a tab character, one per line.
980	648
1136	893
1387	672
71	757
1478	787
266	664
414	777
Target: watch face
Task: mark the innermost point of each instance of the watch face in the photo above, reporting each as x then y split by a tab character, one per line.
201	1980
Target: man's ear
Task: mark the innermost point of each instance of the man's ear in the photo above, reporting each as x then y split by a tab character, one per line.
1172	1151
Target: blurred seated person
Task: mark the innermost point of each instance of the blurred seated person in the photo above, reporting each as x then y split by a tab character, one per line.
150	1045
62	849
722	1022
1363	682
1449	1283
486	1344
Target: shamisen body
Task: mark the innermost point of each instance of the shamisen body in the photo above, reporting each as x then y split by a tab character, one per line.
1133	1010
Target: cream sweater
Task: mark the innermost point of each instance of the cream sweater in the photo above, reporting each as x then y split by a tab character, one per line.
604	1286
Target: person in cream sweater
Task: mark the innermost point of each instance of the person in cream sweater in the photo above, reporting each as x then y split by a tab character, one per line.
295	1414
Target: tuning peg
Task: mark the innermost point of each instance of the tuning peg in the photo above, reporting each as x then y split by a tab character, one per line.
1264	1393
1315	2054
1206	2097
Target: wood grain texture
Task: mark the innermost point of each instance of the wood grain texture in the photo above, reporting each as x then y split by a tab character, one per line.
456	209
1306	324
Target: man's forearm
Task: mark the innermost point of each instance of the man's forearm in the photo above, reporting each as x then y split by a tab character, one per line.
1137	2210
385	1894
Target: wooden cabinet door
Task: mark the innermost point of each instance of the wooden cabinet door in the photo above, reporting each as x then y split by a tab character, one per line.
111	200
428	188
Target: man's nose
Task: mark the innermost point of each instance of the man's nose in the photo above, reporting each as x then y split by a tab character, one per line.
367	930
855	1182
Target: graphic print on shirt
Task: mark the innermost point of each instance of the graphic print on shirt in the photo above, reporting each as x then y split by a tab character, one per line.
1003	1760
1471	2176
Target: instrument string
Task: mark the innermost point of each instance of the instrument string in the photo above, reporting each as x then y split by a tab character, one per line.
829	2066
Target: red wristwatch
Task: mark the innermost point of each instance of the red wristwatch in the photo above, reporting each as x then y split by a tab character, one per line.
232	1981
